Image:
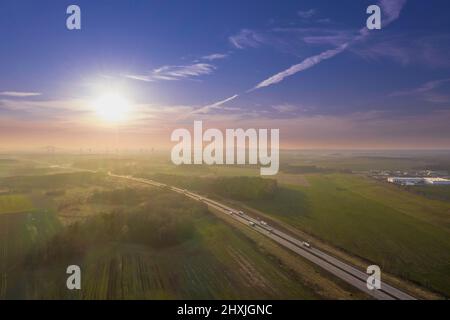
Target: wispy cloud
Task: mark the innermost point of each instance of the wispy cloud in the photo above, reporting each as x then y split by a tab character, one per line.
392	9
431	51
173	73
291	109
329	37
426	91
55	110
206	109
324	20
19	94
283	108
247	38
428	86
215	56
291	40
304	65
306	14
139	77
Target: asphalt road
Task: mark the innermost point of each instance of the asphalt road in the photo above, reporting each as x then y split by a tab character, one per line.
342	270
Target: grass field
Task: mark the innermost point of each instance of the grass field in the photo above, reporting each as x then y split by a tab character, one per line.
12	203
176	249
182	251
432	192
404	234
21	234
215	264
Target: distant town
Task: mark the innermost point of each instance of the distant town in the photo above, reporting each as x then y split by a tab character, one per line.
412	178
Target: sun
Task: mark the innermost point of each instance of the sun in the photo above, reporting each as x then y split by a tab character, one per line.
112	107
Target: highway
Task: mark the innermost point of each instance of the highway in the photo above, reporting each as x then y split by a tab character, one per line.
342	270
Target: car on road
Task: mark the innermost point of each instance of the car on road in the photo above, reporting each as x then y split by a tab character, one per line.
263	223
251	224
306	244
240	213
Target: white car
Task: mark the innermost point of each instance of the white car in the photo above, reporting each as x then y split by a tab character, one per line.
306	244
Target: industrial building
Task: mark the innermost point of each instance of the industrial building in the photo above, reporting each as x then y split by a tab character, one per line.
437	181
405	181
412	181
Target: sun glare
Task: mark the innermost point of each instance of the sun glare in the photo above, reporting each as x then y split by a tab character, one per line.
112	107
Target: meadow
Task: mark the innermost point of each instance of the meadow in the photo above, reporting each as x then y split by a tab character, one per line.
131	242
405	234
137	242
14	203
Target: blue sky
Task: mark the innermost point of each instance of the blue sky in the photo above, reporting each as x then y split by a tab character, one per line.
307	67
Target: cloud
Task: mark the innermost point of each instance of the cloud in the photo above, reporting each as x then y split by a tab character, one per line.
304	65
215	56
19	94
431	51
291	109
139	77
283	108
247	38
306	14
329	37
174	73
427	91
324	20
48	110
430	85
215	105
181	72
392	9
34	105
291	40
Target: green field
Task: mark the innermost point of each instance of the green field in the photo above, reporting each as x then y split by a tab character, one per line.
432	192
146	244
216	263
134	241
21	234
13	203
405	234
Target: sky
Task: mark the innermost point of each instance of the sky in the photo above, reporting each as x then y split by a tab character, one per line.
308	68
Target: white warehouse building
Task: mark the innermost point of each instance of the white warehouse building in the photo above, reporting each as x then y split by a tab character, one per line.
405	181
437	181
412	181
